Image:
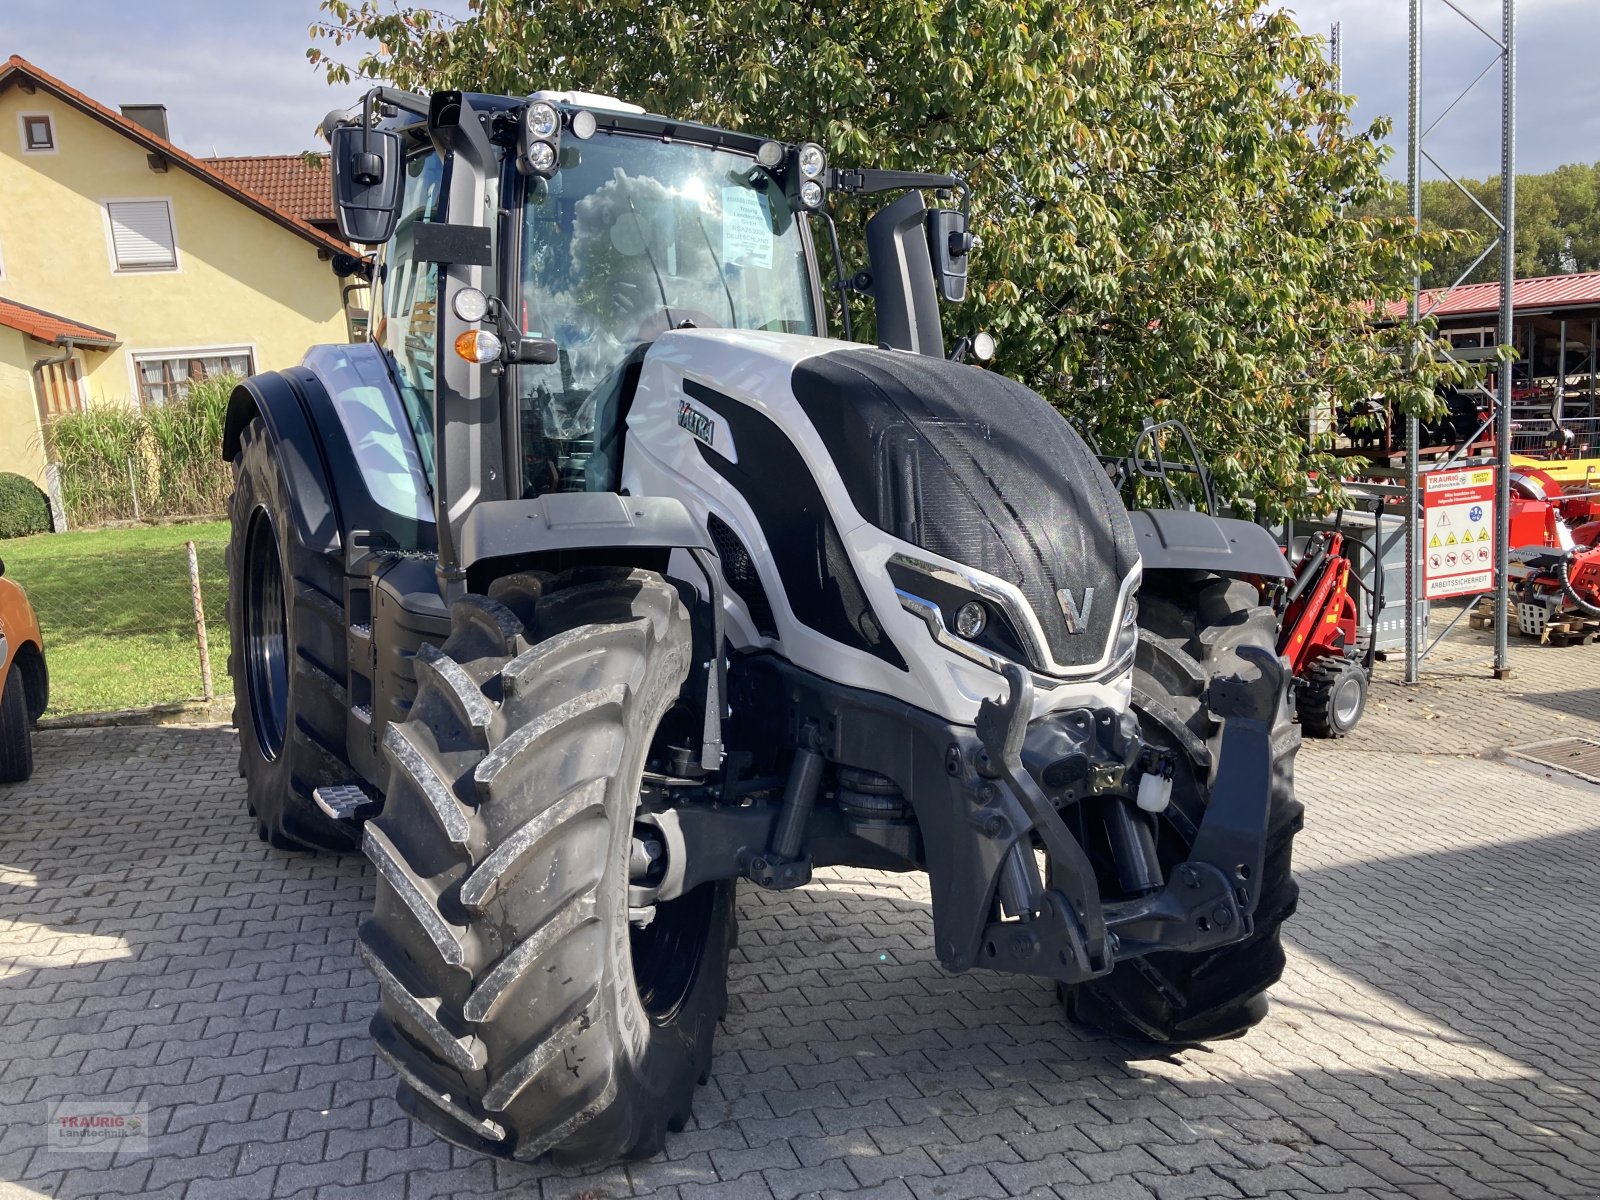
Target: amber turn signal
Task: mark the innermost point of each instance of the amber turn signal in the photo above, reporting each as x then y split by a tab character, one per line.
478	346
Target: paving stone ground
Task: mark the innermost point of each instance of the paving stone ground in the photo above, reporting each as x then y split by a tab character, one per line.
1435	1036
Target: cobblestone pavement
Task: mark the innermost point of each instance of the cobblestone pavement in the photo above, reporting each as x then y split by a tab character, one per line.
1435	1036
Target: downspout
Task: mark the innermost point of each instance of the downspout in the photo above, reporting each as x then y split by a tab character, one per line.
39	364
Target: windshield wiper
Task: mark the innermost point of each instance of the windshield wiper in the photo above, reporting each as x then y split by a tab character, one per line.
722	278
651	259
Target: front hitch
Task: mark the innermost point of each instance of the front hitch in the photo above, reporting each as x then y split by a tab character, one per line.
1065	931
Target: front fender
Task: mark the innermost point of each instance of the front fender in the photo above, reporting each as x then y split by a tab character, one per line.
1176	539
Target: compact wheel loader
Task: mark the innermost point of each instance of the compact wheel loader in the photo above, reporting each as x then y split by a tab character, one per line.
601	579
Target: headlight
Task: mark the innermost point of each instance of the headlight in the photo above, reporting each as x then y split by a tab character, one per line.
542	155
543	121
811	194
970	619
811	161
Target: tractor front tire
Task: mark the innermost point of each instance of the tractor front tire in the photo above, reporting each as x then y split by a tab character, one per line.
1192	625
16	732
524	1011
1332	696
287	658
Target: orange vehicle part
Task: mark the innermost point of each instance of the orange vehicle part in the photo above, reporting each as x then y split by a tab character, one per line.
24	683
21	647
1321	619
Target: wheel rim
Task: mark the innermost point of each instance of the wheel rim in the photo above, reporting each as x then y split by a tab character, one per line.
1347	702
266	642
667	952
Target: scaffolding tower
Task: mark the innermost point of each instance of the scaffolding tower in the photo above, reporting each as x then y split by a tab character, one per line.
1503	239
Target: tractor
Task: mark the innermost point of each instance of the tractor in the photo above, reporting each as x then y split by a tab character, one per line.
601	579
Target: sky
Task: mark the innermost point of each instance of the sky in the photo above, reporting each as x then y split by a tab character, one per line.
235	80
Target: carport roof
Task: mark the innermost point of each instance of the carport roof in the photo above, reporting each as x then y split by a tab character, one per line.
57	330
1483	299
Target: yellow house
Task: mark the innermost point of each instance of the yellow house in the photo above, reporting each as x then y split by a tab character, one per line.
128	267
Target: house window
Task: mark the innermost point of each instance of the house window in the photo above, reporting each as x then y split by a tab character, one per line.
38	135
141	235
60	387
166	375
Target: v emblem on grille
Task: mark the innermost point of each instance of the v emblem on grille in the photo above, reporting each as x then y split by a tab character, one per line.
1077	617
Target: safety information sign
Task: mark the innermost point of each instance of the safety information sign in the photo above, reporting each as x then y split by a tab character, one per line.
1457	532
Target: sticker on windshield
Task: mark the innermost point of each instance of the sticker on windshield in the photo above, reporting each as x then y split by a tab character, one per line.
746	229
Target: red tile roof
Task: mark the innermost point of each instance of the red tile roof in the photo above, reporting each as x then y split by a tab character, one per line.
48	327
1483	299
286	180
17	68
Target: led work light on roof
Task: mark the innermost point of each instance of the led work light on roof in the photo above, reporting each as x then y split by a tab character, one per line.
770	155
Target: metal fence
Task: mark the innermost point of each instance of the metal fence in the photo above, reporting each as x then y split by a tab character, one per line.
131	488
1543	437
133	618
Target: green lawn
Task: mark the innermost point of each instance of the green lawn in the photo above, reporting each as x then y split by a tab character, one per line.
118	620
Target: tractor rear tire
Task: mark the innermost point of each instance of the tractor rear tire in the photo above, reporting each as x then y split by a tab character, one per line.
523	1011
16	733
1192	625
1332	696
287	658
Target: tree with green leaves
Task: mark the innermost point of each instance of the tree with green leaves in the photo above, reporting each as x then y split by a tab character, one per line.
1175	208
1558	223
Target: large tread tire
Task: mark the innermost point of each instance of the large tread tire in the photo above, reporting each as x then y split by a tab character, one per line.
510	976
279	780
1192	625
1332	697
16	733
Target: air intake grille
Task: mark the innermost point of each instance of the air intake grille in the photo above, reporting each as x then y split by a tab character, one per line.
739	569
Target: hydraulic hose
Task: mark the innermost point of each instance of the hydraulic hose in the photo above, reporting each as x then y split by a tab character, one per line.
1564	578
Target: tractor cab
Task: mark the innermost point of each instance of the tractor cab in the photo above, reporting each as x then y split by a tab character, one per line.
529	252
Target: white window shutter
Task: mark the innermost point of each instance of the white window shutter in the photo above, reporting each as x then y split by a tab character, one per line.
141	234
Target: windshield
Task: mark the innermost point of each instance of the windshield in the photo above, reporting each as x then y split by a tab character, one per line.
632	237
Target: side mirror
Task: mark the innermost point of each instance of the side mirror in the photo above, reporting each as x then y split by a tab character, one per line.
367	171
948	244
